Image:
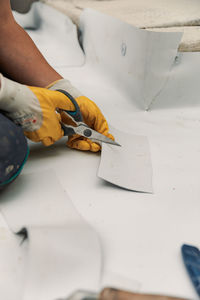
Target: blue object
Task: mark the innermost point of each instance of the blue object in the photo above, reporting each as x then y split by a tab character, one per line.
77	116
191	258
14	150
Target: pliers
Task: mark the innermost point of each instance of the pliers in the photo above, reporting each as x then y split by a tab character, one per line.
81	128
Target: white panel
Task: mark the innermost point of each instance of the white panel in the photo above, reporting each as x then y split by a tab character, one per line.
138	62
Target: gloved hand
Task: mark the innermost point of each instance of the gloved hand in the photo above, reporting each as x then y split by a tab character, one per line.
92	116
34	109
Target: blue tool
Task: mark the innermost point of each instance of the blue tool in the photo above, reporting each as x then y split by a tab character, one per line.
82	128
191	258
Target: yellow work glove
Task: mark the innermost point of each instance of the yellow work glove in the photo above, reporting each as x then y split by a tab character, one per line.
34	109
92	116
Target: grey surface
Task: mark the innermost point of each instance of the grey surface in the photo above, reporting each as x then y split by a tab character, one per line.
21	6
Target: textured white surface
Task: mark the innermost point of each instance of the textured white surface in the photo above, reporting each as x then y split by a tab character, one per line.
63	252
140	13
141	234
167	15
13	259
61	260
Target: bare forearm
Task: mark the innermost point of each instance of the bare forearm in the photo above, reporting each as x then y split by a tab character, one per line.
20	59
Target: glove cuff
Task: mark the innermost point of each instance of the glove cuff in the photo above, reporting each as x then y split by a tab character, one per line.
64	84
13	95
7	92
20	104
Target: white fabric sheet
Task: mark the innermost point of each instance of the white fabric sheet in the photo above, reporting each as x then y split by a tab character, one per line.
63	251
128	166
141	233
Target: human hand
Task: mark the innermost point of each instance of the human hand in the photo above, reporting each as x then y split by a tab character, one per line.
34	109
92	116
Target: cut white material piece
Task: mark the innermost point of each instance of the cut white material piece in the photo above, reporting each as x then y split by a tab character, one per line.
128	166
63	250
39	25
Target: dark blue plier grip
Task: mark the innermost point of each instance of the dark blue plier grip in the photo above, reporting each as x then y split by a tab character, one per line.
76	115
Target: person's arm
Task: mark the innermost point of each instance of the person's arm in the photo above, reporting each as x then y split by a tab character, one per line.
33	107
20	60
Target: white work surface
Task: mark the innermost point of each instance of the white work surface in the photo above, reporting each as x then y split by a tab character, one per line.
126	72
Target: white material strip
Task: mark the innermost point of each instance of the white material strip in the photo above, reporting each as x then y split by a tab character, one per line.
64	252
128	166
137	62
